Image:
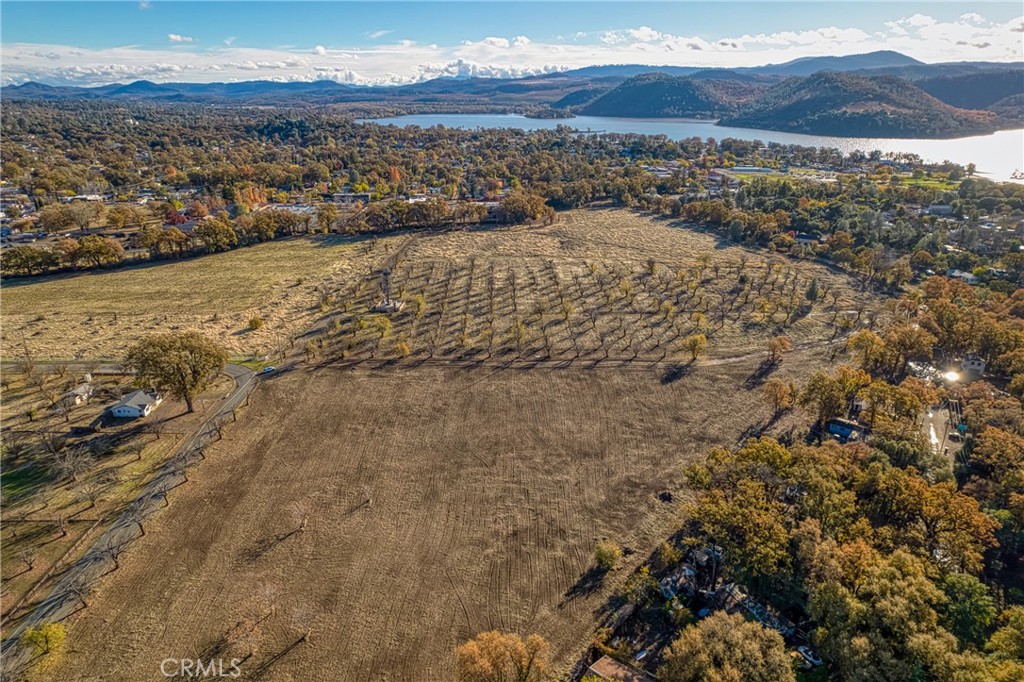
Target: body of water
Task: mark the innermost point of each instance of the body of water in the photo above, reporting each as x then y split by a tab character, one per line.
996	156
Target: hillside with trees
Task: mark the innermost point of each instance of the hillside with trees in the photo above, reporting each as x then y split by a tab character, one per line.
859	106
975	91
660	95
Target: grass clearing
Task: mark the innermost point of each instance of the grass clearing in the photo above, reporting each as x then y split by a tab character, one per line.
99	314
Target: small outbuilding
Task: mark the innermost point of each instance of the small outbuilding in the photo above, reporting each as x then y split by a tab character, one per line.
136	404
607	668
78	395
845	430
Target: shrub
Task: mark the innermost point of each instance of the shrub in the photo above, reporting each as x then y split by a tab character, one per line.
607	554
45	639
255	323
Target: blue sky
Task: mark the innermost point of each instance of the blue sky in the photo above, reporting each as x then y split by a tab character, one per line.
386	42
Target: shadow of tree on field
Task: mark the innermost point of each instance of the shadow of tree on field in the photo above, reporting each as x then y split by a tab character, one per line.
587	584
265	545
676	372
758	376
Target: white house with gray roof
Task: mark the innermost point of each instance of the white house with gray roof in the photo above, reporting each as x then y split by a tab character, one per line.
136	404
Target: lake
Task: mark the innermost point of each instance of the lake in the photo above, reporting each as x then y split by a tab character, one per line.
996	156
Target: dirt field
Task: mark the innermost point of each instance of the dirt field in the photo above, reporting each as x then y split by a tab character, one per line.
448	468
487	490
99	314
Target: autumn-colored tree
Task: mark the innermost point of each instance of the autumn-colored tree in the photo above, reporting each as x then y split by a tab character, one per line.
216	234
607	554
877	619
99	250
695	345
69	251
868	346
823	397
749	525
1007	643
907	342
727	648
777	346
326	216
779	394
495	656
183	364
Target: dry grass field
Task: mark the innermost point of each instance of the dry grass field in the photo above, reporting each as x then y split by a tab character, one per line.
99	314
448	469
487	490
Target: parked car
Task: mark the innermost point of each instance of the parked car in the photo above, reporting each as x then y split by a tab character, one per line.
268	370
809	655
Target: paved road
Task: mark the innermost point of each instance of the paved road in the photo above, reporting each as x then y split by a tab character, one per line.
97	560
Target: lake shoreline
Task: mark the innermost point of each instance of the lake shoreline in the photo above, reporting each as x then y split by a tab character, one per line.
997	154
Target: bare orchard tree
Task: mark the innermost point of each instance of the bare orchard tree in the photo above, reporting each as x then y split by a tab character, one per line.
136	447
90	492
156	427
16	444
112	549
80	588
137	515
28	557
69	463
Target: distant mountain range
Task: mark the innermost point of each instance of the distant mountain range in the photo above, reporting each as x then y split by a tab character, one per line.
881	93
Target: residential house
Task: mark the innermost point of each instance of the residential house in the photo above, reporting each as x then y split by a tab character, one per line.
973	364
136	404
350	197
968	277
940	209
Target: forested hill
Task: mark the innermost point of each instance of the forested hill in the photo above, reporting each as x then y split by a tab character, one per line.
860	106
975	91
660	95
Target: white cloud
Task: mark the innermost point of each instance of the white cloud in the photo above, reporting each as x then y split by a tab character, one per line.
378	34
230	40
405	61
144	4
493	42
